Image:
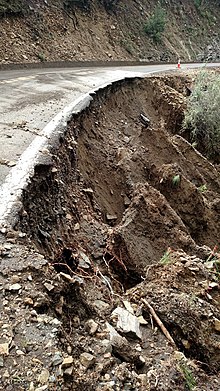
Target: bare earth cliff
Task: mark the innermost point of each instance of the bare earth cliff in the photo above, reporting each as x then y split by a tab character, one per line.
33	31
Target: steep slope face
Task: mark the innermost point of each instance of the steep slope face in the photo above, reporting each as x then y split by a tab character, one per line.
49	31
119	233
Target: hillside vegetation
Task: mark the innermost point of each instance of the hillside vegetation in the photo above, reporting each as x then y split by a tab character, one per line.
50	30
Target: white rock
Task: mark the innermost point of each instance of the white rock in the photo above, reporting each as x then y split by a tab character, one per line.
92	326
87	360
127	323
4	349
14	287
67	362
44	376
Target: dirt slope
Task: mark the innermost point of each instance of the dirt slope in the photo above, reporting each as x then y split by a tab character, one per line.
47	32
124	213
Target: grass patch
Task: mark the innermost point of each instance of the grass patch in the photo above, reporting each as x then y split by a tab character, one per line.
188	375
13	7
166	259
202	117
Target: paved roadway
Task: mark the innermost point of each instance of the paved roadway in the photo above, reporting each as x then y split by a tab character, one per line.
29	99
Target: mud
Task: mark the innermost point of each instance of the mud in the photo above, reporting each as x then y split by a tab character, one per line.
125	208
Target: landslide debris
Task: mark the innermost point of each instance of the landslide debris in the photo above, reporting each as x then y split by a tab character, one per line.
126	293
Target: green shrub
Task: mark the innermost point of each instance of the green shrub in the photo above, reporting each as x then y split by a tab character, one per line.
202	117
155	25
82	4
197	4
13	7
109	4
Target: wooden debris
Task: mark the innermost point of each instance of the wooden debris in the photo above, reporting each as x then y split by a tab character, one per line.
159	322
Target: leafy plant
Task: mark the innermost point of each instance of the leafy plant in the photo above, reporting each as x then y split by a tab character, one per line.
202	117
202	188
156	23
128	46
41	57
109	4
165	260
188	375
13	7
197	3
82	4
176	180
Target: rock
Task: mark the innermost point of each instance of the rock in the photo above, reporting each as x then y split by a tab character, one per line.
76	322
69	349
217	324
143	379
213	285
87	360
76	227
69	371
141	320
14	287
1	362
15	279
6	374
4	349
144	120
84	261
111	217
44	376
92	326
88	191
42	388
31	387
59	306
49	287
128	306
28	301
122	348
101	305
106	346
56	322
19	352
67	362
126	201
66	276
127	322
57	359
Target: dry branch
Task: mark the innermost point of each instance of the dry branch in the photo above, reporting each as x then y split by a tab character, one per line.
159	322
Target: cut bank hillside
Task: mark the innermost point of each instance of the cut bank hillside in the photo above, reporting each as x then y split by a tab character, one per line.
75	30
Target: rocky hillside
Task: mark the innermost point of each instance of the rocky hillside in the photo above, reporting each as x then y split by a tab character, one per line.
50	30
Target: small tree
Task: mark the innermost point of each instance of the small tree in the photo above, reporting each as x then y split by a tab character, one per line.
202	117
109	4
82	4
156	23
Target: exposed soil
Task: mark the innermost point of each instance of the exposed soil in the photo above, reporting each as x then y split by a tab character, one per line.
123	210
48	32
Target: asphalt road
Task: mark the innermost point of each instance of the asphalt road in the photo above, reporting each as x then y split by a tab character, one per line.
30	98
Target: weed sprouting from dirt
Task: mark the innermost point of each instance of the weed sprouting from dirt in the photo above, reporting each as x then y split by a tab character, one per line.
166	259
188	375
203	188
176	180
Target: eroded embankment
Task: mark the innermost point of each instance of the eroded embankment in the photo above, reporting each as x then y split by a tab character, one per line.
113	170
113	197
